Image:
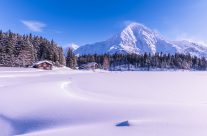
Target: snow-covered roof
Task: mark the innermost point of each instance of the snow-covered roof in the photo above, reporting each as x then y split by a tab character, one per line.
90	64
43	61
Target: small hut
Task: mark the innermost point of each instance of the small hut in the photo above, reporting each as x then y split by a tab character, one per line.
89	66
46	65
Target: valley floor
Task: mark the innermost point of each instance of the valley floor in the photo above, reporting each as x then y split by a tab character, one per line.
64	102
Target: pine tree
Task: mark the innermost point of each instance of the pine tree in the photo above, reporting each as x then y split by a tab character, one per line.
106	62
70	59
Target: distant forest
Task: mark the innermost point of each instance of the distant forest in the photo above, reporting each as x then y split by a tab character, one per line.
158	61
23	50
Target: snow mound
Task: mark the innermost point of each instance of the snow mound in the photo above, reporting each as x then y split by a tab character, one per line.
5	126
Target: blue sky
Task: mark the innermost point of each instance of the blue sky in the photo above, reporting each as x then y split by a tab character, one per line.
88	21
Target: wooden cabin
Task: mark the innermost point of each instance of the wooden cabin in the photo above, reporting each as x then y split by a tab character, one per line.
46	65
89	66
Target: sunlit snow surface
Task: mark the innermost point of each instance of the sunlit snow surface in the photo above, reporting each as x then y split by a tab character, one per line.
63	102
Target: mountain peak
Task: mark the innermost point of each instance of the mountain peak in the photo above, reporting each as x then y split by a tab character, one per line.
136	25
72	46
139	39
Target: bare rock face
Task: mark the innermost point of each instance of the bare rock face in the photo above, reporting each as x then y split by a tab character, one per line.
123	124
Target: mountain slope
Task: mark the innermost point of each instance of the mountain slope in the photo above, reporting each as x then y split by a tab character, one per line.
192	48
138	39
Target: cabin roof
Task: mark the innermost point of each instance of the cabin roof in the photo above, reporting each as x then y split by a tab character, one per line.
88	65
91	63
43	61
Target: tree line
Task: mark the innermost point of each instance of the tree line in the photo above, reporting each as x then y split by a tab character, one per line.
145	61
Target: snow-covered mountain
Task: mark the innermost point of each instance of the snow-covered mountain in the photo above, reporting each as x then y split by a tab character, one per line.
193	48
137	38
72	46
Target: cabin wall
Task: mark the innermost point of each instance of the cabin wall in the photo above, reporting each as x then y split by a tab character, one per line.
44	66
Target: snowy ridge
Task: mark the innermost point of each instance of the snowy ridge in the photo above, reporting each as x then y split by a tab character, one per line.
137	38
188	47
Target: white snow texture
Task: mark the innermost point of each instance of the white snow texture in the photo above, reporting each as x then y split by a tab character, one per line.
63	102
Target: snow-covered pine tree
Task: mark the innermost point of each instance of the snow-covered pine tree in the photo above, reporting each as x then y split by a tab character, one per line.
71	59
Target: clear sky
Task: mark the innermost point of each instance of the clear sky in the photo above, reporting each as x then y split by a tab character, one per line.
88	21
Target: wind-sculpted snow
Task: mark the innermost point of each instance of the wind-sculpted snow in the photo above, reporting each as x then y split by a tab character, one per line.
137	38
64	102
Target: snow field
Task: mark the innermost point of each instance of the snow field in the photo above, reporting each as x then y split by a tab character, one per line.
65	102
